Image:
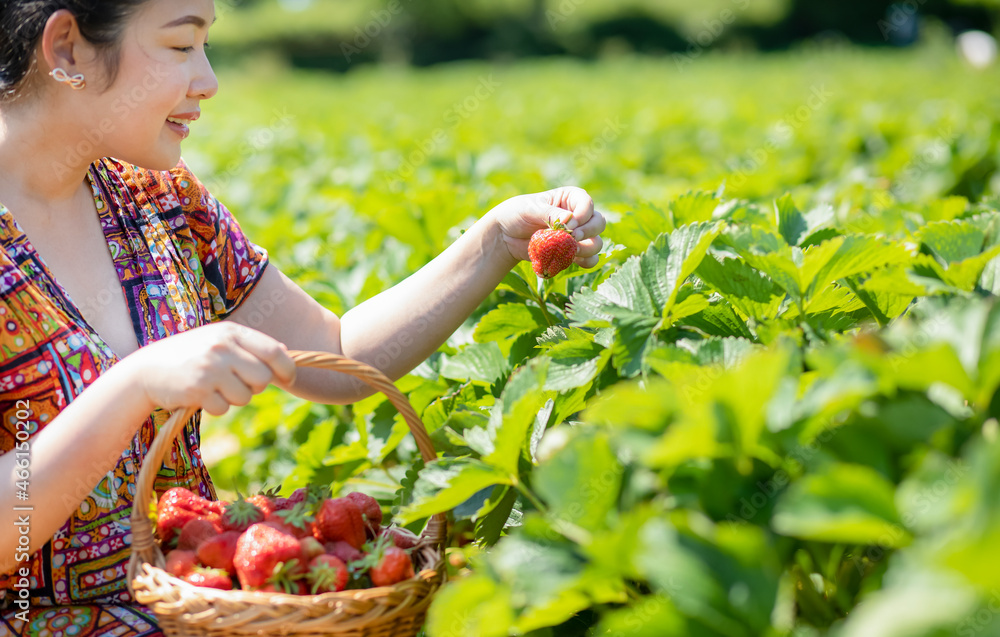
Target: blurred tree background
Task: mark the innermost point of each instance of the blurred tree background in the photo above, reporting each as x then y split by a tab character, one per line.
337	34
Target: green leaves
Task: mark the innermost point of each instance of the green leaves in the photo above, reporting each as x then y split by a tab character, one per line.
637	299
447	483
804	273
842	503
480	362
580	482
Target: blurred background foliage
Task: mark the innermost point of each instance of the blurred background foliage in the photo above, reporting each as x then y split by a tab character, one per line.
335	34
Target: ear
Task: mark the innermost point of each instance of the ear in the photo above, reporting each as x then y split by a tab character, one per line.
62	45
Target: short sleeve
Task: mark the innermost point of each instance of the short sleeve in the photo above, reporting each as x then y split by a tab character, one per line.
231	264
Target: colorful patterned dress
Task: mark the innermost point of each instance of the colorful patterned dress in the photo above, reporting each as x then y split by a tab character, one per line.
182	261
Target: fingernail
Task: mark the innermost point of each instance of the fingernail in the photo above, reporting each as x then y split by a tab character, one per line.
578	235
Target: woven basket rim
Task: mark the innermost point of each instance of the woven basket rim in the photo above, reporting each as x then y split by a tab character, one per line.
169	596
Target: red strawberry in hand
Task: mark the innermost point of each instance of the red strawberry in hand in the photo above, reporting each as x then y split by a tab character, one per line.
552	250
259	550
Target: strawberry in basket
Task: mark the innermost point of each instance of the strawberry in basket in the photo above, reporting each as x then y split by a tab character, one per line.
239	515
340	519
327	574
209	578
219	551
177	507
387	564
370	511
197	531
264	551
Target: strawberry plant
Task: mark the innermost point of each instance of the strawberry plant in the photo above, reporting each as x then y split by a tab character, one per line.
771	409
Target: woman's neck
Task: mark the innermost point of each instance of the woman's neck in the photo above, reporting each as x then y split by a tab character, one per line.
41	166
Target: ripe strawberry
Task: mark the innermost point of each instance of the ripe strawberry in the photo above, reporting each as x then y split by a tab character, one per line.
263	502
210	578
395	566
311	548
282	504
297	587
259	550
289	577
180	563
327	574
340	519
297	521
177	507
369	508
239	515
195	532
402	538
218	552
344	551
299	495
217	507
551	250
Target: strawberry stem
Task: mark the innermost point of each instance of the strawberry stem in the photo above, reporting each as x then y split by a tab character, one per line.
541	303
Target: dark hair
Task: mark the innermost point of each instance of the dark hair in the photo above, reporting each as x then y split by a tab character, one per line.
22	23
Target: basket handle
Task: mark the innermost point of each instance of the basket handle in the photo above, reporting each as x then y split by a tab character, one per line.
143	546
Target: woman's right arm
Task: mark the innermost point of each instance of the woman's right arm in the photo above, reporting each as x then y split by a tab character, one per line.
211	367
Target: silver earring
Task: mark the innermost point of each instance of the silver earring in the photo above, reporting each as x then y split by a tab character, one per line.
76	82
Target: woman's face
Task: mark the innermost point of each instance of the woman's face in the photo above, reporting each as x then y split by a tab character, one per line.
163	77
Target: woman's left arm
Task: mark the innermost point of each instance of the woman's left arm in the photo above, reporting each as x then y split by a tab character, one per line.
398	329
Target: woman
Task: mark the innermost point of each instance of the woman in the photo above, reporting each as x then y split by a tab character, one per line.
127	290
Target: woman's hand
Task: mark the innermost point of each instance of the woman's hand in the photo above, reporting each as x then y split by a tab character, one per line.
211	367
519	217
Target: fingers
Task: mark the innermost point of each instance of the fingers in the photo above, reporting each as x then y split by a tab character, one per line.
251	371
215	404
592	228
576	200
589	249
234	390
270	352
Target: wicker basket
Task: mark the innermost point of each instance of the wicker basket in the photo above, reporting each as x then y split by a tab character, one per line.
184	610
